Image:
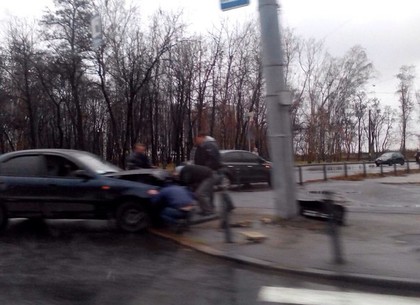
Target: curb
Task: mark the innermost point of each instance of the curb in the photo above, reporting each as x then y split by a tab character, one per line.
395	282
202	219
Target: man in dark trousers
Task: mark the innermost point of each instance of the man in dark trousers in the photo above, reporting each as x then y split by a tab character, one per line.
207	154
175	204
197	178
138	158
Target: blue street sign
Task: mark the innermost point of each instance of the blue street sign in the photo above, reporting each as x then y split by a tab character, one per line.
231	4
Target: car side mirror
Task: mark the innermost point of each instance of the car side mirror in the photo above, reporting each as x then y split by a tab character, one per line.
81	173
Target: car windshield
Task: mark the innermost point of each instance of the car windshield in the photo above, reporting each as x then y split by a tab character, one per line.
386	155
98	165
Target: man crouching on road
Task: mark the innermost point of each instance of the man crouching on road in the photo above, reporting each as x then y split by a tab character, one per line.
176	203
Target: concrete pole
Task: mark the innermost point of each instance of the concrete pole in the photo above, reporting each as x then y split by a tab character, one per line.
278	101
369	138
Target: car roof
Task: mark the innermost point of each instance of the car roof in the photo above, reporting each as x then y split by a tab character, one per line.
76	155
46	151
223	151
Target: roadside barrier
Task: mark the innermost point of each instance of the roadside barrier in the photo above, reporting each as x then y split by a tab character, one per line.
325	171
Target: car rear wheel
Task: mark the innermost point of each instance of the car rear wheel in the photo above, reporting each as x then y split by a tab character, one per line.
132	217
3	217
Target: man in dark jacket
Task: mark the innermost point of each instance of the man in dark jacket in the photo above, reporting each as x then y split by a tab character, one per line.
138	158
199	179
175	203
192	175
207	154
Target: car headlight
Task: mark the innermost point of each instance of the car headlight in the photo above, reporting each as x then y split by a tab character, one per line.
152	192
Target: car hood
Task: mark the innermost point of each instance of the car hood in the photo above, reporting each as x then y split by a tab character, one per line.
129	172
143	171
153	176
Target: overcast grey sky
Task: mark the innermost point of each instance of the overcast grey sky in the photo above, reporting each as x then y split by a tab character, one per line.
388	30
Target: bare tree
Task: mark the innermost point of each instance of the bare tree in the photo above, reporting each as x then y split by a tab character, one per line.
127	65
406	77
360	107
382	121
67	32
335	85
310	61
22	82
151	81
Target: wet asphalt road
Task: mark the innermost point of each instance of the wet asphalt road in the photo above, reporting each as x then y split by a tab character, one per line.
89	262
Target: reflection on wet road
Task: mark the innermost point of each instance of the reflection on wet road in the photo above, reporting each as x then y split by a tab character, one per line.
89	262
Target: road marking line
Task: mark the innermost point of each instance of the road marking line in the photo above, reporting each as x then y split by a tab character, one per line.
319	297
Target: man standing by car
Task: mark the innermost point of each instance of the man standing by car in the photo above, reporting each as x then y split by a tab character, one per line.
207	154
138	158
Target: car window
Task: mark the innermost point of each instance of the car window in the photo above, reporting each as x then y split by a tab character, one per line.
58	166
22	166
97	165
231	157
250	157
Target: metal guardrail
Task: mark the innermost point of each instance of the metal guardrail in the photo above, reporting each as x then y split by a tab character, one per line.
325	171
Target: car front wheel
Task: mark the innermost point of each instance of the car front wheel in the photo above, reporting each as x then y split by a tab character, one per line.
132	217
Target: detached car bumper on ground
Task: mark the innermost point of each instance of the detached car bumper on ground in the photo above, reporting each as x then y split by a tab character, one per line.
71	184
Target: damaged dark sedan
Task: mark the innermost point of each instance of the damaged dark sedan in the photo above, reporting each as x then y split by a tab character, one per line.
72	184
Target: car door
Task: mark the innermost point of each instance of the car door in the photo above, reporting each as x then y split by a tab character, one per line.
22	187
69	195
397	158
237	168
255	169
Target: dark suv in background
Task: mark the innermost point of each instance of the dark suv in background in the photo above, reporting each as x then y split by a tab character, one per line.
244	167
390	158
59	183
